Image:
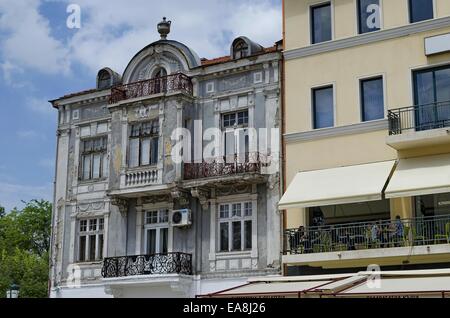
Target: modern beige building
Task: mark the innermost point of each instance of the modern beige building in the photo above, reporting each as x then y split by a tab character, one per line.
366	135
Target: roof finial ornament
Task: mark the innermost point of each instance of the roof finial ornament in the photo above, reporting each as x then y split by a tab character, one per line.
164	28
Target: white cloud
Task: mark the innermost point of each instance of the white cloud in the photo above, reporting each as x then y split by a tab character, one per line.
28	42
11	194
40	106
112	33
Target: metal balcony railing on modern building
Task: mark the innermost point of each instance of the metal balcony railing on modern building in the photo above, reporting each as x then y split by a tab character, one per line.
166	84
227	165
169	263
419	118
368	235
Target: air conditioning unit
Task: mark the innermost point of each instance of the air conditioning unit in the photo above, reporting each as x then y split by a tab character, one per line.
181	218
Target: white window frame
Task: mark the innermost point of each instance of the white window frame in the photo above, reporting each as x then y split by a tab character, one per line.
369	77
408	12
333	29
210	87
232	219
158	226
87	234
321	86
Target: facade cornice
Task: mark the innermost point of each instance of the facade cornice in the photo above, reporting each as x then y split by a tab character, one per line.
368	38
359	128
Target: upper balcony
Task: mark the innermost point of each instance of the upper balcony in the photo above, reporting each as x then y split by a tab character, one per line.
227	166
419	126
162	85
370	241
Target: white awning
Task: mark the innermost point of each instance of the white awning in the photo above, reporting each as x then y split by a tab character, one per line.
341	185
420	176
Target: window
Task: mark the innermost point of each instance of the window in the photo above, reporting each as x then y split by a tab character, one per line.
369	16
236	138
420	10
321	23
94	159
104	79
144	140
432	96
323	113
240	50
372	99
235	230
156	231
90	242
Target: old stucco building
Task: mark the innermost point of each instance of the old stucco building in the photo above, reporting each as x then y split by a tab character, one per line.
130	220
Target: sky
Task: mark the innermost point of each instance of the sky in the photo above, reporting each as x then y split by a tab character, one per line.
42	57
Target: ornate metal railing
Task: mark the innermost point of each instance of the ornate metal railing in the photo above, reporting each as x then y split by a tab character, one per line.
368	235
170	263
226	165
418	118
166	84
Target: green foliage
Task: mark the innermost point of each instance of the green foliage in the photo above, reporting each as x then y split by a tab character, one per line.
24	248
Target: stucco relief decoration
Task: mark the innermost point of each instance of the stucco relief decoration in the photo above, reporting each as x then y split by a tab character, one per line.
233	83
233	190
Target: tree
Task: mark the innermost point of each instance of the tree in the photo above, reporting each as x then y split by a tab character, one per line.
24	249
2	211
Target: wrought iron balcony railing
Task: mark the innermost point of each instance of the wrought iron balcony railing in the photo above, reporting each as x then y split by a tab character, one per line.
368	235
167	84
418	118
227	165
169	263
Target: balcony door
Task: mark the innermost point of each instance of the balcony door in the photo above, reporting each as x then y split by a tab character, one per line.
432	98
156	232
236	138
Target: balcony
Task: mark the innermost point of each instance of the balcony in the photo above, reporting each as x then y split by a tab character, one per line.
419	126
369	241
226	166
162	85
139	177
157	264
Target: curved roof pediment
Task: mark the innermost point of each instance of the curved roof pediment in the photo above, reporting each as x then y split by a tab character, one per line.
171	55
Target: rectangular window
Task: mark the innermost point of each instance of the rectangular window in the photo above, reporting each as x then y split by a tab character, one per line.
323	113
248	235
143	148
94	159
151	241
90	241
236	235
420	10
432	96
224	237
369	15
321	28
235	228
372	99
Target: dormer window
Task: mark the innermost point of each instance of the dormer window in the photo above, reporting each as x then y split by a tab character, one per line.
240	50
104	80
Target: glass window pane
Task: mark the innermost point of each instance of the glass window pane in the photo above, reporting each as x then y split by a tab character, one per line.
321	23
151	242
224	211
154	151
368	15
145	152
86	167
163	216
248	209
82	249
96	166
105	166
372	99
101	224
163	239
243	118
134	152
92	246
223	237
248	234
236	210
420	10
83	225
100	246
93	225
236	236
135	130
323	107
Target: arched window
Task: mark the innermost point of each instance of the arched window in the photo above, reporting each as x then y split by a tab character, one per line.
161	72
240	50
104	79
160	81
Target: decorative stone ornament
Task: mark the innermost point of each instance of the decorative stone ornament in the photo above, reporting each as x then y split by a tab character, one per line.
164	28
